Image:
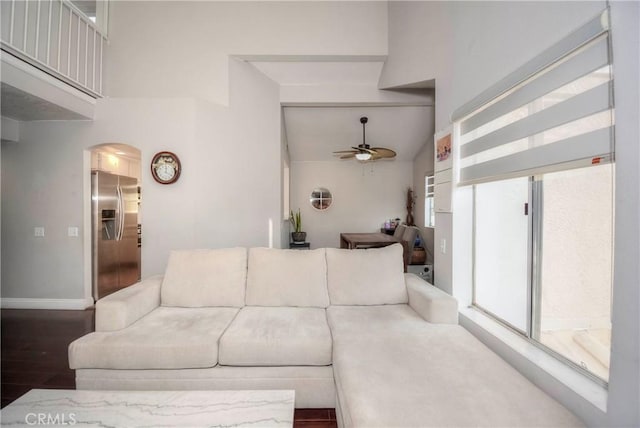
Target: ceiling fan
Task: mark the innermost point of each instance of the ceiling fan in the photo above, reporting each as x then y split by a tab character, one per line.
364	152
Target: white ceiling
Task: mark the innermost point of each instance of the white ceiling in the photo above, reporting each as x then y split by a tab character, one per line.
119	150
314	133
20	105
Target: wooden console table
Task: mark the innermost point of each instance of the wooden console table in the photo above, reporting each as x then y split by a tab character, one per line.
373	240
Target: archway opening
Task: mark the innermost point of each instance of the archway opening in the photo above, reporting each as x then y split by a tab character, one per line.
116	224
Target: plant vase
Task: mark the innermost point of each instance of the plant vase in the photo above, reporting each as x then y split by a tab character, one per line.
298	237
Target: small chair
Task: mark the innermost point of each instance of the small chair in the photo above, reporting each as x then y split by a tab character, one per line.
409	236
399	232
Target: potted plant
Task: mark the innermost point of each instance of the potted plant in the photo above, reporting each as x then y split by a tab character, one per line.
297	236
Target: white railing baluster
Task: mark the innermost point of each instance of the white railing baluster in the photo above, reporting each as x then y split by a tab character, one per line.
26	22
13	17
37	29
69	44
100	68
78	52
42	27
86	52
59	35
49	33
93	74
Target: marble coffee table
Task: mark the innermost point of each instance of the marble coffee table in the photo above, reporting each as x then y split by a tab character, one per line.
54	407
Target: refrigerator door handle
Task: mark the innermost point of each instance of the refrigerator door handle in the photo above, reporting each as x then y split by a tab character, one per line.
120	214
122	205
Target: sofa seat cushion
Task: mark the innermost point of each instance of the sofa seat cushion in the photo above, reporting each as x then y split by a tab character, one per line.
287	278
277	336
199	278
393	369
166	338
374	276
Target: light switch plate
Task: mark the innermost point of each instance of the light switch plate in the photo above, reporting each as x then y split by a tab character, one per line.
443	246
72	231
38	232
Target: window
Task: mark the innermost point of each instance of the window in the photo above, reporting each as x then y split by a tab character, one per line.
429	207
543	260
538	150
501	250
573	278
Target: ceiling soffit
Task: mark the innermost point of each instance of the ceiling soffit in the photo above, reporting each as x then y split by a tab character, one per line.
324	99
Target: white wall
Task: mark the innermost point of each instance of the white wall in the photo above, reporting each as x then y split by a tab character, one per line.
624	376
168	49
364	196
224	197
422	167
10	129
284	186
468	46
165	63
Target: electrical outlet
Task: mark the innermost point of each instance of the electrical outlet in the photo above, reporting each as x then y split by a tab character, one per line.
443	246
72	231
38	232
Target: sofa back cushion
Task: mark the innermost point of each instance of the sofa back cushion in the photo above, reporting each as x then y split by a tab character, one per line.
287	278
201	278
373	276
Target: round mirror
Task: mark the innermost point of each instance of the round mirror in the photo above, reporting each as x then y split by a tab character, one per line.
320	198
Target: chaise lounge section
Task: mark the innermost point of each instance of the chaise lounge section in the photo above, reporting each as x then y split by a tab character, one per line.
343	328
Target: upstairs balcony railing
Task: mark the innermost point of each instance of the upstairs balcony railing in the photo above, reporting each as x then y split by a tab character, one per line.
56	37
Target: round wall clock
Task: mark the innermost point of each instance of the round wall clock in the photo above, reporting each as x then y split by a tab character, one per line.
165	167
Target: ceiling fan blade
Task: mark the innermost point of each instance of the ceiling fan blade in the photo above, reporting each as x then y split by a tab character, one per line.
384	152
349	156
362	149
345	151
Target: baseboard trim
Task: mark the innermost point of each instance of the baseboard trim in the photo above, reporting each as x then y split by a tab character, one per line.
27	303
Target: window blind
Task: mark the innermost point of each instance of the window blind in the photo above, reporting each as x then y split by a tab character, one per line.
554	113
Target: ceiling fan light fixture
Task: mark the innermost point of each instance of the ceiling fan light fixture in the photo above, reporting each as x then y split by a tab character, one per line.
363	152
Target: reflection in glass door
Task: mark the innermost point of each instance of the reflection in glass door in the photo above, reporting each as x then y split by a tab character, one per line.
502	250
572	304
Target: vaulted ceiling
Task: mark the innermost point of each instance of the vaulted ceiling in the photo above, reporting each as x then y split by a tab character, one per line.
314	133
315	130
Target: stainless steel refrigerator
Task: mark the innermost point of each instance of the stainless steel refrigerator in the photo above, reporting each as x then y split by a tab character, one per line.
115	231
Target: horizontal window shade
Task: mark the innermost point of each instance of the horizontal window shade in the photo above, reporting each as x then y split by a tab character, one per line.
585	104
589	59
550	99
581	126
574	152
561	116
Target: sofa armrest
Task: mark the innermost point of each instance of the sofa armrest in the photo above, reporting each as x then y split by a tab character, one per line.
431	303
122	308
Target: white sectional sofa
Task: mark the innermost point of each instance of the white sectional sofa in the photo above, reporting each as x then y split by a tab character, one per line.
344	328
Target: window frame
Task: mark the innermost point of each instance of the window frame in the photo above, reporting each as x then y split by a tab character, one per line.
534	277
429	218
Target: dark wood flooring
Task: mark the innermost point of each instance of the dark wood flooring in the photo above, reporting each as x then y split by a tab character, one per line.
34	355
34	349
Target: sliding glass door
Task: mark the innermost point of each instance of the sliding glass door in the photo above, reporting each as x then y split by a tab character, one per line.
573	287
543	260
502	250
